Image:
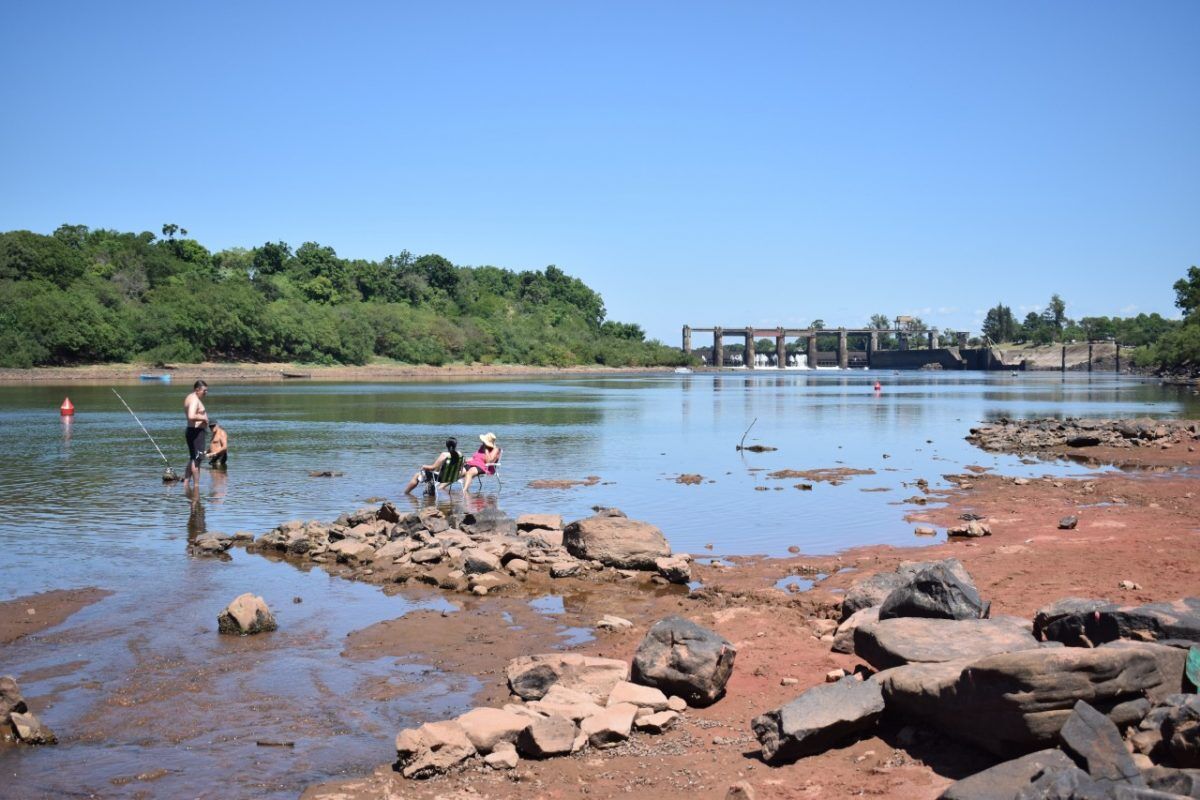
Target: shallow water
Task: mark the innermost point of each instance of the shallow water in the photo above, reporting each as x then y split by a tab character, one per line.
82	504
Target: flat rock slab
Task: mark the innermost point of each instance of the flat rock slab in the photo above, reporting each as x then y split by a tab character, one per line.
1004	781
818	719
1013	703
616	542
1094	741
530	677
488	727
537	522
547	737
890	643
610	727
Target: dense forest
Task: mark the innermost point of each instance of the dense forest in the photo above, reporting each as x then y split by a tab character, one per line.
87	296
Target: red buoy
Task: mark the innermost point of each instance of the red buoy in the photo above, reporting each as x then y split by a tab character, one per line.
878	386
66	409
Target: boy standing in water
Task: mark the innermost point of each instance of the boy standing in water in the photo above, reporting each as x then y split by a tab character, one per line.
197	424
218	451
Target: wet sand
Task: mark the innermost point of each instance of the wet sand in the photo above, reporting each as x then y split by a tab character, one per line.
37	612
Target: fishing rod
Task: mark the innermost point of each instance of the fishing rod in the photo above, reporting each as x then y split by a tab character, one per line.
170	473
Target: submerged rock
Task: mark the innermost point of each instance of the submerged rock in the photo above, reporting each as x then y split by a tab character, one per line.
247	614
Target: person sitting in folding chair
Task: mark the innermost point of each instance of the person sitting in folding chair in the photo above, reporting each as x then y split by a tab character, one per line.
444	470
484	462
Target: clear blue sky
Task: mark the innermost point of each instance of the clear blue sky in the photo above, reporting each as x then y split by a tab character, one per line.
696	162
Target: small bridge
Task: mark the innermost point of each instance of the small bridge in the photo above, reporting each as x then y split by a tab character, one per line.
781	335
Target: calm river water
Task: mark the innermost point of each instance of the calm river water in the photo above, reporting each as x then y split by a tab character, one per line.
81	504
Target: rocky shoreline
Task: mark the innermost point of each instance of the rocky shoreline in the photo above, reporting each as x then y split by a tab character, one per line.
832	695
1032	436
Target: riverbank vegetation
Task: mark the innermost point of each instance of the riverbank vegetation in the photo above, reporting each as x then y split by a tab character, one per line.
91	296
1161	344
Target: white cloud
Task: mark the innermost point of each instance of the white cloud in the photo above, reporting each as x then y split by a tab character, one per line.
948	310
1129	310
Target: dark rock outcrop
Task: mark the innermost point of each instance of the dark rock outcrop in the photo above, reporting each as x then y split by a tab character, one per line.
935	592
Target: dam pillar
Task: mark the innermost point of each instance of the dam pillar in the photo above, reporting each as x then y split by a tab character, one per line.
780	351
1089	356
872	346
843	350
687	340
932	339
812	349
718	349
1118	358
1062	367
749	351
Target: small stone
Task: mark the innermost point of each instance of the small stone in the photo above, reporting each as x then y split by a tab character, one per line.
835	675
503	756
656	723
612	623
788	681
677	703
1068	523
641	696
925	531
31	730
741	790
1129	586
565	569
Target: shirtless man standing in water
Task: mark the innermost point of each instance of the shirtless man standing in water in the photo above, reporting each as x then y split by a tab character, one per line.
197	426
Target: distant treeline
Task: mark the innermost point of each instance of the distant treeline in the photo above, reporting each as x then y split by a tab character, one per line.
1162	344
87	296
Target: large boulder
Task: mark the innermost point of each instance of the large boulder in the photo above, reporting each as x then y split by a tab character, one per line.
1094	742
1086	623
530	677
431	749
680	657
1015	703
1181	732
935	592
247	614
616	542
894	642
1005	780
821	717
353	551
874	590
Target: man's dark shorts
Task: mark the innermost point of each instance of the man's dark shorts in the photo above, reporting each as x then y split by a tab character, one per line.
196	442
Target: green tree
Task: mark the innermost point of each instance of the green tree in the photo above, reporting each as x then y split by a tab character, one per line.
999	324
25	255
1187	292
